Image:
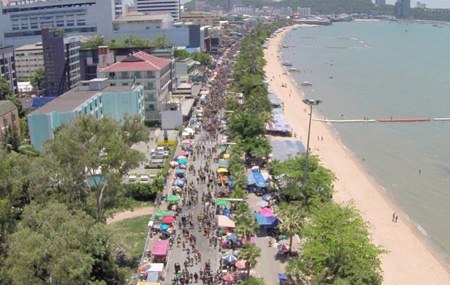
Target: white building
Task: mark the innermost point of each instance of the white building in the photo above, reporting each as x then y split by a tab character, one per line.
159	6
29	58
304	12
22	20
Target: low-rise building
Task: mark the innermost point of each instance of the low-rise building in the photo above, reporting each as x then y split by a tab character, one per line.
29	58
201	18
9	119
94	97
186	69
151	72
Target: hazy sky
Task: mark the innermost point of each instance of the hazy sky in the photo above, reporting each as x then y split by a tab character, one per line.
430	3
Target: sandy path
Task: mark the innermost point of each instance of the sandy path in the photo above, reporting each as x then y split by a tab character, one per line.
409	260
130	214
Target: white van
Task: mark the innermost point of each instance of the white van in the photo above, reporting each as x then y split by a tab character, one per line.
155	163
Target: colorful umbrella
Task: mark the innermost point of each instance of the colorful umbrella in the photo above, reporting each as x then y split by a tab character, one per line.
182	161
162	213
267	197
173	198
267	212
229	257
262	203
168	220
228	277
232	237
221	202
240	264
181	153
164	227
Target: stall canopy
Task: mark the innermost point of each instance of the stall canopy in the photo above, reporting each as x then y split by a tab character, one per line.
180	171
224	222
257	179
266	221
152	276
223	163
160	248
266	212
157	267
283	149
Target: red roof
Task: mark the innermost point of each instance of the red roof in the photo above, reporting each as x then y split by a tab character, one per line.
139	61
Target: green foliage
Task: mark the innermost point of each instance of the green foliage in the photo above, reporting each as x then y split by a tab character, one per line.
250	253
93	42
338	248
203	58
80	149
55	245
145	191
253	281
5	89
181	54
292	217
130	41
37	80
318	188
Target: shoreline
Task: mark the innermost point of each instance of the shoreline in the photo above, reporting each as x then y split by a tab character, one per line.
410	259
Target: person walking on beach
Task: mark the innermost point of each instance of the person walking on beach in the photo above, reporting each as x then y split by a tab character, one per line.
393	216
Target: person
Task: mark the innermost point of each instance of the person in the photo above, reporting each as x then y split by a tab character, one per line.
393	216
195	277
396	217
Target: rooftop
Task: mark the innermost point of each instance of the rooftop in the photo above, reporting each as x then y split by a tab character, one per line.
36	46
139	61
141	17
6	106
73	98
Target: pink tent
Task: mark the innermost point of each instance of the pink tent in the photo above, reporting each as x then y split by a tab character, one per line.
160	248
267	212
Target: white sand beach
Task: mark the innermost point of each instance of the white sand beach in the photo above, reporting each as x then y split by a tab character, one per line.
410	260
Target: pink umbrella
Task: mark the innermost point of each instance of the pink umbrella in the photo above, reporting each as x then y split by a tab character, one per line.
240	264
168	220
228	277
267	212
182	153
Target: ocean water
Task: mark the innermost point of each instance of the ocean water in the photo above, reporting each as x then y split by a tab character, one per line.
382	70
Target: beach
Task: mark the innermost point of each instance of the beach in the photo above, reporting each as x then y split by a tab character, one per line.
409	259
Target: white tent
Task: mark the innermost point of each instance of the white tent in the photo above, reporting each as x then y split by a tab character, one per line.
225	222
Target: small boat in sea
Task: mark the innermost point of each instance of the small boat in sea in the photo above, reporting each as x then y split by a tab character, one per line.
287	63
284	46
306	83
293	69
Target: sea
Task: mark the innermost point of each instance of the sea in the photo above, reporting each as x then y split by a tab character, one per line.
380	69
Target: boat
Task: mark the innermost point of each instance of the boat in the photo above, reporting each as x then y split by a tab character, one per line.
306	83
284	46
287	64
294	69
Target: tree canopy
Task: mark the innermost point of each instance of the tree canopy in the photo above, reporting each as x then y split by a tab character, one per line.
130	41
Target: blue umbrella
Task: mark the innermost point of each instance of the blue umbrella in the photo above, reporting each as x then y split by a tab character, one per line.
226	212
229	257
164	227
232	237
182	161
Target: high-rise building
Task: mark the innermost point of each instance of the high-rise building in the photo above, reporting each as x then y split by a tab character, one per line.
22	20
119	8
160	6
380	2
402	8
421	5
8	67
61	61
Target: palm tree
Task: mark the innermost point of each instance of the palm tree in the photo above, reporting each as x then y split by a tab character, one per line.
253	281
250	253
246	225
291	217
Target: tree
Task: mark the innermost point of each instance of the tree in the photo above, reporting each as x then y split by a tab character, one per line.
53	245
91	157
133	130
247	225
253	281
37	80
203	58
160	42
338	248
250	253
181	54
291	217
93	42
5	89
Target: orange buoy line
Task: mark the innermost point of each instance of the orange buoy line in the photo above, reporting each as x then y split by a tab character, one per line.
403	120
383	120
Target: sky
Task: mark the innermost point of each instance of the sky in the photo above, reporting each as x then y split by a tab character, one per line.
430	3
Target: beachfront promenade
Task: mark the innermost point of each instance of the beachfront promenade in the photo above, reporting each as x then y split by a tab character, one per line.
409	260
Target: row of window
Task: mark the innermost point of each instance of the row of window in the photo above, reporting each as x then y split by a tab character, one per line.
46	21
132	75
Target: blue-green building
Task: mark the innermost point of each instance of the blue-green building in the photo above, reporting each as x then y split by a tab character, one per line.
94	97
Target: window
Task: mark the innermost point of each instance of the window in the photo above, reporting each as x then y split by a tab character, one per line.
124	83
13	117
150	85
150	74
124	75
137	74
150	97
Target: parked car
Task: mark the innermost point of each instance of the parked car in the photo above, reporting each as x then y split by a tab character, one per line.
160	152
155	163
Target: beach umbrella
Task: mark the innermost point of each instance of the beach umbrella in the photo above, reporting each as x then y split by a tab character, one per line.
227	212
262	203
228	277
267	212
232	236
189	130
161	213
181	156
164	227
240	264
173	198
229	257
168	220
267	197
182	161
178	182
173	163
222	202
182	153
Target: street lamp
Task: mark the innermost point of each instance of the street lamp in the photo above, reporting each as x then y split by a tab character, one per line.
310	103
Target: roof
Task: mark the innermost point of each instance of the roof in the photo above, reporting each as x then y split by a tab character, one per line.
73	98
36	46
139	61
6	106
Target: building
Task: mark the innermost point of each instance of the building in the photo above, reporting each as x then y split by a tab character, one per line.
159	7
421	5
29	58
94	97
9	119
8	67
61	61
380	2
200	18
304	12
153	73
119	8
186	69
22	20
402	8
